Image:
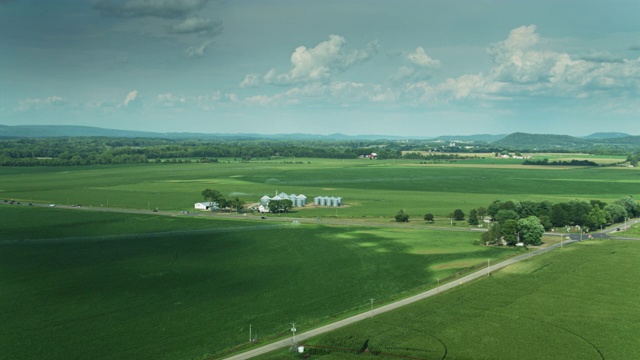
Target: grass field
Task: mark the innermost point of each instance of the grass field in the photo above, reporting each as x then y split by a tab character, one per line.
370	189
186	293
85	283
580	303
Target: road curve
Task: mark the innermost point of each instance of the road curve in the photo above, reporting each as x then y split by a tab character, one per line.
389	307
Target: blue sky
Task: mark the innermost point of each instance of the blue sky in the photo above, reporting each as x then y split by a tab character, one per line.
422	68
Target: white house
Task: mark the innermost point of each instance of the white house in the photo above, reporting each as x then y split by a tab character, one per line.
208	205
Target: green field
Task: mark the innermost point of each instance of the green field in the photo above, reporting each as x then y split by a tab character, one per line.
580	303
370	189
188	293
114	280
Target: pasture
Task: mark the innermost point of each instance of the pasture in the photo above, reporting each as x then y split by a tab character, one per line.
96	282
74	288
580	302
370	189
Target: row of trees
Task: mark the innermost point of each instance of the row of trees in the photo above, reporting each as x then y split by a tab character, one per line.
515	221
102	150
526	221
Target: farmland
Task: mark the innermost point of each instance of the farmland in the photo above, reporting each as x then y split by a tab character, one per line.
184	294
371	189
576	303
127	282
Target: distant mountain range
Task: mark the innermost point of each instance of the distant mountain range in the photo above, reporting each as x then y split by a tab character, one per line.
522	141
41	131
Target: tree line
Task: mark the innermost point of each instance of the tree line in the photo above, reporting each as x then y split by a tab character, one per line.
101	150
78	151
513	222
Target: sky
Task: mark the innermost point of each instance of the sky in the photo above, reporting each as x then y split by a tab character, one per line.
402	68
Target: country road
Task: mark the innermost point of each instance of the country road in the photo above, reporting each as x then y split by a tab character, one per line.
395	305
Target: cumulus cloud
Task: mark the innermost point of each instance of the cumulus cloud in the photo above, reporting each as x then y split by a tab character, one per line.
199	26
315	64
38	103
169	9
520	66
421	59
420	66
131	96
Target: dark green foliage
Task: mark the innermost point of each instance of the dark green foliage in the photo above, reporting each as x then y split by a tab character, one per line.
458	214
428	217
279	206
402	216
530	230
473	217
510	231
504	215
573	162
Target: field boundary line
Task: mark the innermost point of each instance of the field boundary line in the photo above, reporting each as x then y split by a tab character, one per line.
72	239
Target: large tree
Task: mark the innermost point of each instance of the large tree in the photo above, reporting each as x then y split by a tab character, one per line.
236	204
214	196
428	217
629	205
510	231
615	212
402	216
531	230
458	214
473	217
504	215
283	205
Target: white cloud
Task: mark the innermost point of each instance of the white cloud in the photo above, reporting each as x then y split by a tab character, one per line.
521	67
170	100
198	26
154	8
197	51
421	59
131	96
315	64
38	103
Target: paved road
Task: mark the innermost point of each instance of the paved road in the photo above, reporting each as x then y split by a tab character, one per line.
395	305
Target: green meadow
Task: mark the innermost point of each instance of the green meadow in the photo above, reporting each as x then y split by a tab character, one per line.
370	189
580	302
112	279
71	289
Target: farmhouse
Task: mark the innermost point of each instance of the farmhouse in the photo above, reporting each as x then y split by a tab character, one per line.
208	205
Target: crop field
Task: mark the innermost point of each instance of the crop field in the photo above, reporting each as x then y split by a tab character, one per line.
370	189
580	303
112	279
183	294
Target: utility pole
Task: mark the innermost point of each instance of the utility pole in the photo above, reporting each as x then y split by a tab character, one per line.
293	330
371	314
250	338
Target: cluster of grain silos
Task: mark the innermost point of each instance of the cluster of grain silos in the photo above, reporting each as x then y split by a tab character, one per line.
327	201
296	200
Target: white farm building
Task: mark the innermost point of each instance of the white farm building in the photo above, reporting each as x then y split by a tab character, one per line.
207	205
